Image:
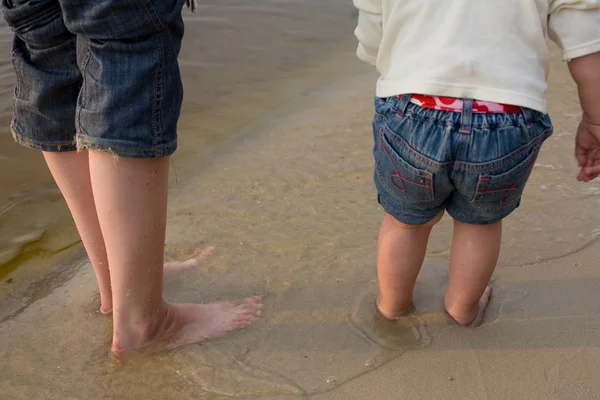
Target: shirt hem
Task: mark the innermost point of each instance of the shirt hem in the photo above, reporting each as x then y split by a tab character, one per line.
364	56
581	51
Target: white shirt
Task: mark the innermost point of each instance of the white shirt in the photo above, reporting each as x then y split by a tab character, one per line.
492	50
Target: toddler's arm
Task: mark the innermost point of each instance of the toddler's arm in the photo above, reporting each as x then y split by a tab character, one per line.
586	73
575	26
369	30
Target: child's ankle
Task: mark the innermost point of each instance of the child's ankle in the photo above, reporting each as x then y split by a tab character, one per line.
391	310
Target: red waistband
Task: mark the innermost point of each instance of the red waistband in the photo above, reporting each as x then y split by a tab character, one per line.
456	105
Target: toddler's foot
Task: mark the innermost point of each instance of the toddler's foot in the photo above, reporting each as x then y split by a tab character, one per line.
184	324
473	318
171	270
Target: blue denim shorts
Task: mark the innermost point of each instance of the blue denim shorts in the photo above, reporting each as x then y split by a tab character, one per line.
474	165
97	74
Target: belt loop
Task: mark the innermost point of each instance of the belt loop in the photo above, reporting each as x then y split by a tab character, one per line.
466	118
528	116
402	104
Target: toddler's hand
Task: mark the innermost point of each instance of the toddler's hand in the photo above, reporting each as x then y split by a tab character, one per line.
587	151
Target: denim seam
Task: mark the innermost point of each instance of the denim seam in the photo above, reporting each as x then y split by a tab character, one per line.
468	219
82	91
463	165
435	165
156	117
158	25
470	166
434	121
15	117
458	153
18	88
414	115
37	144
407	216
509	189
24	25
86	59
381	115
91	139
423	174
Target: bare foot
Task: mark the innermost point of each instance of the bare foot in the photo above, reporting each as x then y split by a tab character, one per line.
185	324
475	318
105	310
171	270
392	313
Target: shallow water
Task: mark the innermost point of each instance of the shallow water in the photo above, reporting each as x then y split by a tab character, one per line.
275	170
221	98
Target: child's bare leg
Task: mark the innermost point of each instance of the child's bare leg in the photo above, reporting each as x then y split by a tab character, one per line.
475	250
72	175
131	201
400	252
173	269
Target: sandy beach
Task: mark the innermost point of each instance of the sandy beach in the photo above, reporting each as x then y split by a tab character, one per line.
283	188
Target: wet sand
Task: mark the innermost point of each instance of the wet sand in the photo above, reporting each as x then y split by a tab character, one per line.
287	197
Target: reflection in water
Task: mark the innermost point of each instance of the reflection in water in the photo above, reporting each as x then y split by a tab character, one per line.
33	228
275	170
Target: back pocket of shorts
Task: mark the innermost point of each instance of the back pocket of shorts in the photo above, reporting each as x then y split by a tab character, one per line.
505	190
398	176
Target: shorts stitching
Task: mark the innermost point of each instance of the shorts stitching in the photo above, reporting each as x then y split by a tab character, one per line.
381	115
157	26
87	52
30	22
409	216
467	219
83	90
509	189
486	178
132	151
506	160
18	89
435	165
157	91
442	122
94	139
377	111
423	174
459	147
425	183
419	171
37	144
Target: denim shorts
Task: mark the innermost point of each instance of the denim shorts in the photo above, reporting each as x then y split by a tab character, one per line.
474	165
97	74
